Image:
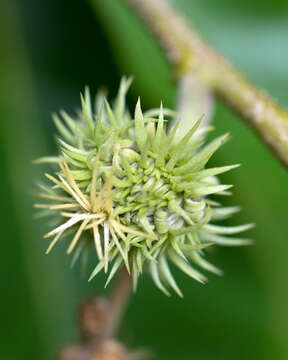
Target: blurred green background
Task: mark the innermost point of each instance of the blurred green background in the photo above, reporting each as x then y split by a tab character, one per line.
49	50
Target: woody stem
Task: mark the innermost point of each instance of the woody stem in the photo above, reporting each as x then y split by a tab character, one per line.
190	55
118	299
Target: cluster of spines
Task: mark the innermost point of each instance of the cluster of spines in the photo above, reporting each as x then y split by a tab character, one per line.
126	153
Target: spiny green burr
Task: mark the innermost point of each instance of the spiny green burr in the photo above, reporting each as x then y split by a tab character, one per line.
128	187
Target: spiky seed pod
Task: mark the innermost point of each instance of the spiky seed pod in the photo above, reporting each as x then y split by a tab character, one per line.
136	191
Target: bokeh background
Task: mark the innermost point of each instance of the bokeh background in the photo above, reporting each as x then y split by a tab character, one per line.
49	50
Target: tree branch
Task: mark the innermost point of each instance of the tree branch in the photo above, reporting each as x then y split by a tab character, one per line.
189	54
99	320
118	299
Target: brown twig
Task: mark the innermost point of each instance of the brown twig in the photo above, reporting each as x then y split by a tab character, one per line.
99	321
189	54
118	300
